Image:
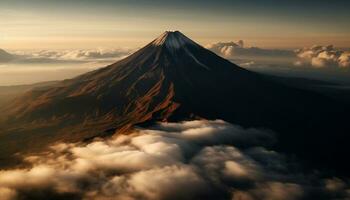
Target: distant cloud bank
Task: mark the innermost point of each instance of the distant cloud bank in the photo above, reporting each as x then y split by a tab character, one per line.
317	62
323	56
232	49
315	57
64	56
31	66
188	160
94	54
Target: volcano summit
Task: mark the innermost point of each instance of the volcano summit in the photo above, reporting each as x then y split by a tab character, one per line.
170	79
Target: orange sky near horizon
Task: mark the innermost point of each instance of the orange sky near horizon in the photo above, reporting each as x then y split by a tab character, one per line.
49	24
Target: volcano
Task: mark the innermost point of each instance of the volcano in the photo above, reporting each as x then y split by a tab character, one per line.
170	79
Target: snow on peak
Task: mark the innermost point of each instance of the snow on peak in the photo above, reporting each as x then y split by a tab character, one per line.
172	40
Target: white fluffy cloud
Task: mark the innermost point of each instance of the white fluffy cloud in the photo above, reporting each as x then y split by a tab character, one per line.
169	182
315	57
234	50
323	56
189	160
344	59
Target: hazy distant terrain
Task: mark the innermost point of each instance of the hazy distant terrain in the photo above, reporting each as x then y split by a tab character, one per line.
8	93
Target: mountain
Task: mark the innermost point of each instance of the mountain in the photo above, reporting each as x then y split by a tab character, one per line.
5	56
170	79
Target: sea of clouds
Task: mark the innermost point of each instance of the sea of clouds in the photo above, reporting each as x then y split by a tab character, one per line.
187	160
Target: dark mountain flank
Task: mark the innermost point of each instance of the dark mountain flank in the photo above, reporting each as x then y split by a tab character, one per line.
172	79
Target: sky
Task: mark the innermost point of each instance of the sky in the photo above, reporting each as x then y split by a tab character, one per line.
67	24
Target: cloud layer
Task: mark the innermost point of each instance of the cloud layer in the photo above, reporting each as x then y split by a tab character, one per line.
59	56
232	49
26	67
323	56
188	160
313	57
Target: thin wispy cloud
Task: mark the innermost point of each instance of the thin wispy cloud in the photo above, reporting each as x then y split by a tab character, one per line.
31	66
80	55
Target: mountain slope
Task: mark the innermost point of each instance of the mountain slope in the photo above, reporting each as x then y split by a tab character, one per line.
5	56
170	79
